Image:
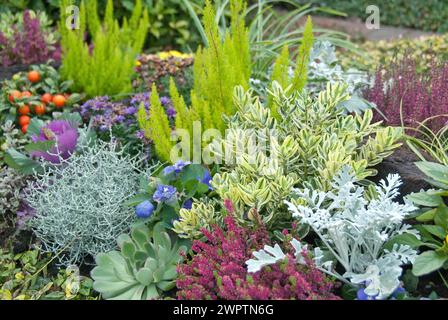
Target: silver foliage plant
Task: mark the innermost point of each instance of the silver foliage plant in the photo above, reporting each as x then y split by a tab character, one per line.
11	184
324	67
80	204
353	231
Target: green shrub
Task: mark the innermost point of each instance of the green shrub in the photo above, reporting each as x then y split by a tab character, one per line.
424	50
312	141
430	15
24	276
218	68
106	65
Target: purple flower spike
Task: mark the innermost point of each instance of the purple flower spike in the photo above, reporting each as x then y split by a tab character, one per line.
65	137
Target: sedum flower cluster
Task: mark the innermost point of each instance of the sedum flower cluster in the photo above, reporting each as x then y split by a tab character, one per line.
80	204
354	231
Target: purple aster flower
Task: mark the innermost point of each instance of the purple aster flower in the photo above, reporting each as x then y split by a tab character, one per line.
130	110
120	118
171	112
164	100
139	98
164	193
144	209
65	137
140	134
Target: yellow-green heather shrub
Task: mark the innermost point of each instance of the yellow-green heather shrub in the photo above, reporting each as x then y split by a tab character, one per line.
281	68
104	67
218	68
156	126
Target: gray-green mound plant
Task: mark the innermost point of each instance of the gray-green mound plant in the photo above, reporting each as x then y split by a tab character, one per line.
80	205
143	269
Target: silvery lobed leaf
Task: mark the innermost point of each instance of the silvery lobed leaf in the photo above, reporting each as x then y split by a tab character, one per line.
264	257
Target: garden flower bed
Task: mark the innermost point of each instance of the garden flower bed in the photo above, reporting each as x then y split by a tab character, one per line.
203	150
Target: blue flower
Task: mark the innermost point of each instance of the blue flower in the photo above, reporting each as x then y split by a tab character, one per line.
164	193
362	295
188	204
177	167
399	291
144	209
206	179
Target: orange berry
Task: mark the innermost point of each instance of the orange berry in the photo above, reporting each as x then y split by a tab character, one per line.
26	94
25	128
24	120
24	110
46	98
34	76
39	109
15	94
59	100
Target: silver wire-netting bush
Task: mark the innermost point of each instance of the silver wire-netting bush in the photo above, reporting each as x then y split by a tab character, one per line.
80	204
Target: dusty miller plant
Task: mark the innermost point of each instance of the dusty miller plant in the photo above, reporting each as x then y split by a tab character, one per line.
324	67
354	230
79	204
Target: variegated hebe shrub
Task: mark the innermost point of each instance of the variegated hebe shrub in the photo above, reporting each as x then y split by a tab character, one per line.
313	141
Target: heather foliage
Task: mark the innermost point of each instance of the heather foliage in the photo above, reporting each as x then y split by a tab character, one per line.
217	270
27	43
218	68
405	97
106	65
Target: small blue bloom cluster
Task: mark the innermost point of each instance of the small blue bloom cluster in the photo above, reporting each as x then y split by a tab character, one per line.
164	193
144	209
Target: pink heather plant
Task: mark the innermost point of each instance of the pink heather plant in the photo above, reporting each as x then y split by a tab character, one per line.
218	270
26	46
422	96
